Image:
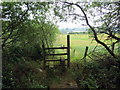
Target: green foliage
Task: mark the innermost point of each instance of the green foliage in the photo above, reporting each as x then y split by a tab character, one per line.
96	4
22	37
23	20
97	73
24	74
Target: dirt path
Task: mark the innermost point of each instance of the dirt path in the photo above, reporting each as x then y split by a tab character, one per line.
65	82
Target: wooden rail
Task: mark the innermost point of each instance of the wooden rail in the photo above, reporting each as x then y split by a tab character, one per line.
56	54
57	48
53	60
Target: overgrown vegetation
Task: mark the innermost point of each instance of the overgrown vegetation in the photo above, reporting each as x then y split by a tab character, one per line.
23	36
26	26
99	73
108	20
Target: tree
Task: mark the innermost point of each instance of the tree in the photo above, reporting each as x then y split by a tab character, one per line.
109	20
25	27
109	16
24	20
12	17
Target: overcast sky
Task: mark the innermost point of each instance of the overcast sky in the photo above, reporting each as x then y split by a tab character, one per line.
74	24
80	23
69	23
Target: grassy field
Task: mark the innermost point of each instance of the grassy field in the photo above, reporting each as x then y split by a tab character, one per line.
78	43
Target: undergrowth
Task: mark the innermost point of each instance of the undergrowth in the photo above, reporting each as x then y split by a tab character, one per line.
100	73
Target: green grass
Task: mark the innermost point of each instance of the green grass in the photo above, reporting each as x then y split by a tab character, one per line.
78	43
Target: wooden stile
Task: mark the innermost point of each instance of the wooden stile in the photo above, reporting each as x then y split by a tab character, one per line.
68	53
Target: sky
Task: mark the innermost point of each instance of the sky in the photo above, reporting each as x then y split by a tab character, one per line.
79	22
71	24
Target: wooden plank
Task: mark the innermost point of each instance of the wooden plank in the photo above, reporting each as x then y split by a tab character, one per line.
57	48
68	50
56	54
49	60
52	60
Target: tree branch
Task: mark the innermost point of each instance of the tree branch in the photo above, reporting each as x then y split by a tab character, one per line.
94	32
14	25
113	45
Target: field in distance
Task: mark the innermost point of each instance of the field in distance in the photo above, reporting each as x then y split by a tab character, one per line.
78	43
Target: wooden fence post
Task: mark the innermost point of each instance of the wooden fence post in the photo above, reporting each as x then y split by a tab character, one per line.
68	50
85	54
44	55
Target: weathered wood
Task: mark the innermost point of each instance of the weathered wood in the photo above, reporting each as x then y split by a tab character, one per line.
86	50
49	60
44	55
56	54
68	50
52	60
62	64
57	48
68	53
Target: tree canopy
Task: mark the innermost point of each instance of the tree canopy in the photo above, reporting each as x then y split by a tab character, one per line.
26	26
101	17
26	22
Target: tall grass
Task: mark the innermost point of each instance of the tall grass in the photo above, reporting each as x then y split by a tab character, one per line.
78	43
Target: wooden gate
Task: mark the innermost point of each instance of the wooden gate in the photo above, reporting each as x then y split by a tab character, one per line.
67	53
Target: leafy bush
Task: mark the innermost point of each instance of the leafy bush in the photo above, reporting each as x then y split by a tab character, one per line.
19	66
22	71
25	74
29	75
97	73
